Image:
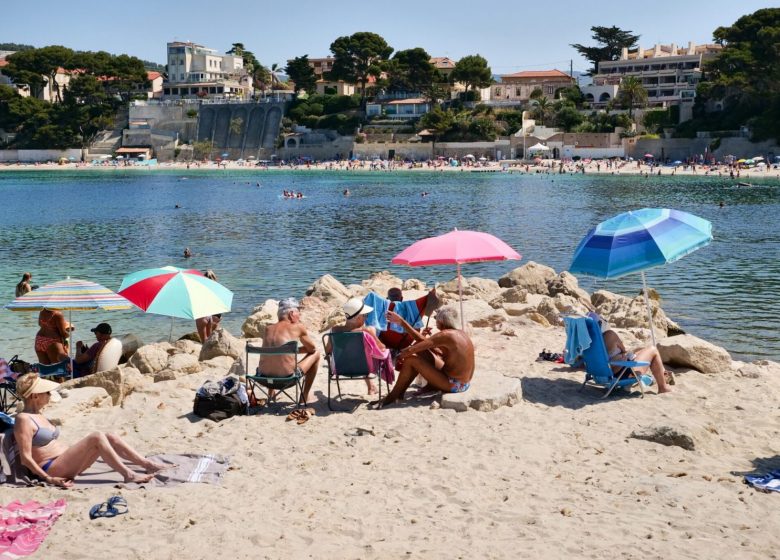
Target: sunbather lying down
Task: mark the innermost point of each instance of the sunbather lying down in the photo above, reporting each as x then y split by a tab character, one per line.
53	461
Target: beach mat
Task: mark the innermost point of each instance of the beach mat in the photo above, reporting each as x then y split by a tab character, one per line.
189	467
23	527
766	483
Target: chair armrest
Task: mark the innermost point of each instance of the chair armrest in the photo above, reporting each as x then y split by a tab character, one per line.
621	363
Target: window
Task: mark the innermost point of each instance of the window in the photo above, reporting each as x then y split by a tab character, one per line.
549	90
498	92
518	92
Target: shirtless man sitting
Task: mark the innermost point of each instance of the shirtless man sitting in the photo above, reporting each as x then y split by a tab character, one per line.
289	328
457	359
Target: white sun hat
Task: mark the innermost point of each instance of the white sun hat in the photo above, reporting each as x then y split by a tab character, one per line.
355	306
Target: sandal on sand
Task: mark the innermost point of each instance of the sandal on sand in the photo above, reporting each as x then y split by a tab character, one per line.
301	415
115	505
669	375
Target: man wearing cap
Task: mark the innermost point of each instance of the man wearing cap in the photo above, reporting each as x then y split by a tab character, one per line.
355	311
287	329
85	357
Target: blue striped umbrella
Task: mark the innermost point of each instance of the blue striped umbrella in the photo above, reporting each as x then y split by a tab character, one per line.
637	240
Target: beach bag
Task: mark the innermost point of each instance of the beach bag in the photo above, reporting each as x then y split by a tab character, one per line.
218	400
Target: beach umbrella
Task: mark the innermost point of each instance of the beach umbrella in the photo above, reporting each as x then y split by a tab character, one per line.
649	156
70	295
175	292
638	240
758	158
468	156
539	148
456	247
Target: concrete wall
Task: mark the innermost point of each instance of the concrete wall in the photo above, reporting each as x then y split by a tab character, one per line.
260	125
682	148
499	149
32	156
322	151
403	150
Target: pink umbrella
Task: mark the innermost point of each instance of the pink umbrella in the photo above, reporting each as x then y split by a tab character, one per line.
456	247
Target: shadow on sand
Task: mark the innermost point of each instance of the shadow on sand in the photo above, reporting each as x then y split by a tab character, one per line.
761	466
566	393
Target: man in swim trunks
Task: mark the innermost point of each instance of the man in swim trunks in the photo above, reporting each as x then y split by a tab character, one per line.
289	328
456	351
87	356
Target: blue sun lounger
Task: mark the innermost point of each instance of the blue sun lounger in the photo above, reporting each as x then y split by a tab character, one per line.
598	367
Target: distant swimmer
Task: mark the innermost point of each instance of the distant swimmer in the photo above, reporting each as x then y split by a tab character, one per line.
187	253
177	206
346	192
258	184
721	204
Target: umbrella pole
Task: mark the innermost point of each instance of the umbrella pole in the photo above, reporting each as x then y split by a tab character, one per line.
170	334
649	309
460	294
70	344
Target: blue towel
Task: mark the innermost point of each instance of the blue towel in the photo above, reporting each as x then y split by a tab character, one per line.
768	482
378	316
577	339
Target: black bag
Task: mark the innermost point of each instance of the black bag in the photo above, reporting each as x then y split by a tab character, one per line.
219	400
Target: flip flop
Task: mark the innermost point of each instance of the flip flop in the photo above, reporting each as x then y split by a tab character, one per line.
669	375
115	505
304	415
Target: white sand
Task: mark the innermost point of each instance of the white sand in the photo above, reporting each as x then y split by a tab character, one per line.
554	477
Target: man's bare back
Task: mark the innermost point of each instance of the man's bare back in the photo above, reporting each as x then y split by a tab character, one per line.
457	352
277	335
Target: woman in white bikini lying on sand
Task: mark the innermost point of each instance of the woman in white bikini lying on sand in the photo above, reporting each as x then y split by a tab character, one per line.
53	461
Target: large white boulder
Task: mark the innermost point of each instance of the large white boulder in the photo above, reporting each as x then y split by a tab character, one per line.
329	290
151	358
117	382
478	313
566	283
380	282
221	343
473	287
687	350
185	346
185	363
263	315
531	276
489	391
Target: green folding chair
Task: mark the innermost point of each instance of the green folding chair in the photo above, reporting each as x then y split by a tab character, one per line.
347	360
280	385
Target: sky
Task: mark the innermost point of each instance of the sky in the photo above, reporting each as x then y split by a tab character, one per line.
512	36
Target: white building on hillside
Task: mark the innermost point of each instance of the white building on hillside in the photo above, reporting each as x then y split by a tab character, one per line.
194	70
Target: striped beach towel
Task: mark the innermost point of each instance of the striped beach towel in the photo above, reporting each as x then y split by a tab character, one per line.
23	527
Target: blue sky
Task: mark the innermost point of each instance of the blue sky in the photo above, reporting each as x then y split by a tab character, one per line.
520	35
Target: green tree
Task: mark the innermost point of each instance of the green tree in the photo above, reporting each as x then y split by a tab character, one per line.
30	65
611	41
201	149
411	70
543	109
568	117
358	57
632	94
236	125
302	74
473	70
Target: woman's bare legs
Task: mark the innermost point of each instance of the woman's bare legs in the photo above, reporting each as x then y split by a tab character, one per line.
650	354
56	352
111	449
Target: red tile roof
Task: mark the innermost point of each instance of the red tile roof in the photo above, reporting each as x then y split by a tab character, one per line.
3	62
538	74
152	75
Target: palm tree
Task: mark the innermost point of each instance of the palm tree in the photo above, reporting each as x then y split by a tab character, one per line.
543	108
632	94
274	71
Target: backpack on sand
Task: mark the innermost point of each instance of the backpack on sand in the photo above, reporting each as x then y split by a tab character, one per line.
220	400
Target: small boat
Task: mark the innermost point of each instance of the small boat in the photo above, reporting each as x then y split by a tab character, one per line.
744	184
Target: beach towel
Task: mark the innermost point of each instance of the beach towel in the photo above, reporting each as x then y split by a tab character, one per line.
577	339
380	359
12	471
377	318
190	467
410	311
23	527
766	483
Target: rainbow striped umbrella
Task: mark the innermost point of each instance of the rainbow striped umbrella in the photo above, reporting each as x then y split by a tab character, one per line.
638	240
176	292
70	294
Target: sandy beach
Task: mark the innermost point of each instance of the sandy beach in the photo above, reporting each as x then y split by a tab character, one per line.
550	166
556	475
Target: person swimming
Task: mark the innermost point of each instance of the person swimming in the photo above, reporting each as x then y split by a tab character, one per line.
187	253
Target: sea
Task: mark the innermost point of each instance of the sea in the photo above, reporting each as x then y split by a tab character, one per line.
102	224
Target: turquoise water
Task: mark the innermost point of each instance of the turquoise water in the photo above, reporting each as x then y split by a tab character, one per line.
100	225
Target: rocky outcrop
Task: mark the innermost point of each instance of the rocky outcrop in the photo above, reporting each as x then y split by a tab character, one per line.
187	347
130	344
118	382
473	287
625	313
689	351
680	436
515	294
380	282
266	314
479	314
566	284
413	284
489	391
221	343
151	358
329	290
531	276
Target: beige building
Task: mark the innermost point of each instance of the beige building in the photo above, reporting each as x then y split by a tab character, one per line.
668	73
194	70
517	88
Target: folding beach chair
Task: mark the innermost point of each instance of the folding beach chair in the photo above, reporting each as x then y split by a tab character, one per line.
348	359
55	371
598	367
268	383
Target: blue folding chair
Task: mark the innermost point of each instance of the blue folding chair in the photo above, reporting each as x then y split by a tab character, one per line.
598	367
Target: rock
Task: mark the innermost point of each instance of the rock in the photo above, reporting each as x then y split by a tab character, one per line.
566	283
238	368
185	363
313	310
531	276
515	294
759	368
603	297
117	382
262	316
689	351
479	314
413	284
329	290
626	313
130	344
666	435
380	282
473	287
334	317
78	400
168	375
551	308
221	343
187	346
489	391
191	336
222	363
540	319
150	358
